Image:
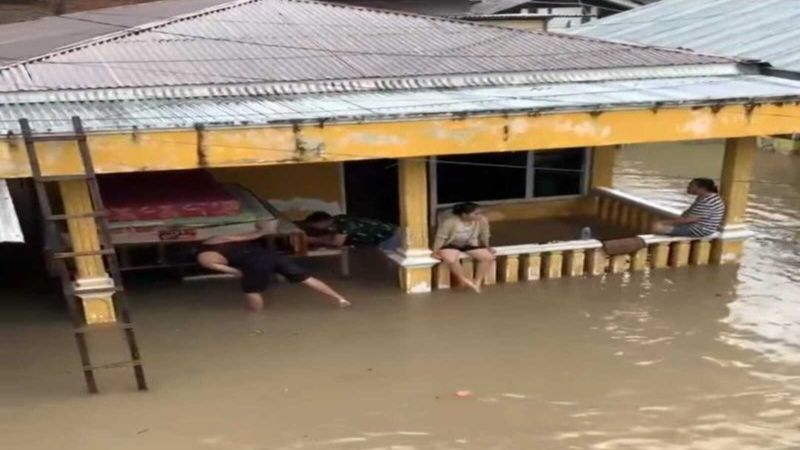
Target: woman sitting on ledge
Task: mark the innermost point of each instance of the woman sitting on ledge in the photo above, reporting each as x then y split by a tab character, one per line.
703	218
466	231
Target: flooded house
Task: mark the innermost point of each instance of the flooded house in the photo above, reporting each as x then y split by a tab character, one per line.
276	108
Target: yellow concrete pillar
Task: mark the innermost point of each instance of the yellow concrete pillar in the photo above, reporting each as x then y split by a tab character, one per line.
553	263
603	166
509	268
413	185
575	263
701	253
679	254
619	263
596	262
91	275
443	275
639	260
659	255
531	267
737	171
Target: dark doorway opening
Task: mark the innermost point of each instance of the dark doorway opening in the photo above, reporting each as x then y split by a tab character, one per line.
371	189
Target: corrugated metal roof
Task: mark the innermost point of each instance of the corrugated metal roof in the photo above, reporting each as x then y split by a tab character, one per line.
105	115
25	40
499	6
10	230
768	30
299	40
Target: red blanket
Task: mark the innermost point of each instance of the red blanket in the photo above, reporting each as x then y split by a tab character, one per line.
165	195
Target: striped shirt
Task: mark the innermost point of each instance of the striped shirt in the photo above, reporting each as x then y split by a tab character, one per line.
710	210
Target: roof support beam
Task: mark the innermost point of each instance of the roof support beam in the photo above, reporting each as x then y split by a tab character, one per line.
332	141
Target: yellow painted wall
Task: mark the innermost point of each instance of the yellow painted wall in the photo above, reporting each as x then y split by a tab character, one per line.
296	189
235	147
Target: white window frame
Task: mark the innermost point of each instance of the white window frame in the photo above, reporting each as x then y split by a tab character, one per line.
530	174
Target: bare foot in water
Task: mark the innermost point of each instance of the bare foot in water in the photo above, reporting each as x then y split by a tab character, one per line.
342	303
471	285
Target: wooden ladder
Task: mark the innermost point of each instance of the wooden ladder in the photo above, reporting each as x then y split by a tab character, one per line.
62	253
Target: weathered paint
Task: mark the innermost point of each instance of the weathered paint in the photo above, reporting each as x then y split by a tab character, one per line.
413	185
596	261
309	142
415	280
574	263
509	268
679	254
726	252
603	166
737	170
553	263
90	270
530	267
701	253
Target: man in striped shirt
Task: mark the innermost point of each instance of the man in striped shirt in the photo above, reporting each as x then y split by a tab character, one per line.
703	218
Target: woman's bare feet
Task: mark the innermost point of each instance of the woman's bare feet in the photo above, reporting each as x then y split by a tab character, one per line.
466	282
342	303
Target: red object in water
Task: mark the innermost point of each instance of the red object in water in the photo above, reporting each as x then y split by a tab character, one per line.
464	393
165	195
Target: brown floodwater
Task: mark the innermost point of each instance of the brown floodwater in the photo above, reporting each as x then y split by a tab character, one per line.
695	358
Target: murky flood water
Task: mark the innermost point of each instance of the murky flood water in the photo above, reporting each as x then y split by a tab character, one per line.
697	358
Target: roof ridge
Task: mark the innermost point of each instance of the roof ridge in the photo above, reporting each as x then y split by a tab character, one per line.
149	26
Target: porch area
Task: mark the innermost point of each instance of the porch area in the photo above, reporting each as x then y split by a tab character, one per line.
542	239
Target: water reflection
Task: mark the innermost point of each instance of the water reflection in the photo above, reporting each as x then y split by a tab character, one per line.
764	315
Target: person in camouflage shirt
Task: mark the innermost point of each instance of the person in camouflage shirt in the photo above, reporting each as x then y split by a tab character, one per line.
324	230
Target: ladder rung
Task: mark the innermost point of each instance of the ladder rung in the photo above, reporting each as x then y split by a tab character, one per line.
96	214
48	178
64	255
101	290
131	363
104	326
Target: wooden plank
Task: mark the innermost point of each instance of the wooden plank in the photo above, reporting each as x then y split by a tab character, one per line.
552	264
575	263
605	208
701	253
679	254
530	267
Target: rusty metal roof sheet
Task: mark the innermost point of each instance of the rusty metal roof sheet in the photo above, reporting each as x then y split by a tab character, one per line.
258	41
171	112
766	29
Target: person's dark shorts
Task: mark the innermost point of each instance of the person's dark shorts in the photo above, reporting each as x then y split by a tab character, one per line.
681	230
259	268
464	248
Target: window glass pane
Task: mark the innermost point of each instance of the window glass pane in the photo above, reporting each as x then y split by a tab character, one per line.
481	177
558	172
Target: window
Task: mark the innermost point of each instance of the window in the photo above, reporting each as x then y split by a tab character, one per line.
509	176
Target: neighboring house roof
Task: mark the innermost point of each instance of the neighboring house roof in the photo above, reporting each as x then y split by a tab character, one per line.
501	6
23	40
274	41
766	29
